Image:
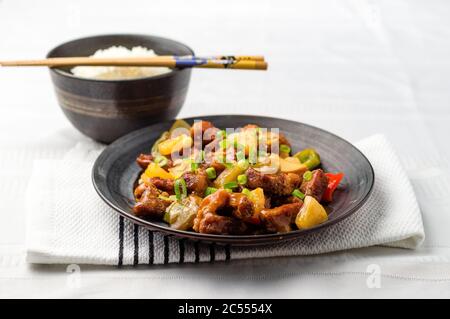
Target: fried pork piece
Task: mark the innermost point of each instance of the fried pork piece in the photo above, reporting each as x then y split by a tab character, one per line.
280	219
162	184
282	184
141	188
243	208
276	201
293	199
208	220
143	160
148	203
221	225
202	126
316	186
196	183
268	202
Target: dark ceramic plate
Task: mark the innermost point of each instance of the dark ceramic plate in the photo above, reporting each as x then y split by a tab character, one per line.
115	173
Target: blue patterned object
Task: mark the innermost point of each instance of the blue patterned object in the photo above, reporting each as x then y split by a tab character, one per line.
189	61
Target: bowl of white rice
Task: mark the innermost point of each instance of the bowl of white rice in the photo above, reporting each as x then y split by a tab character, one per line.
106	102
119	72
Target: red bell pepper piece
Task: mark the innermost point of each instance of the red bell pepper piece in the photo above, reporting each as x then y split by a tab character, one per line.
333	182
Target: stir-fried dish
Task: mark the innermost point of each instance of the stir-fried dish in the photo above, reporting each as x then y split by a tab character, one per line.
239	182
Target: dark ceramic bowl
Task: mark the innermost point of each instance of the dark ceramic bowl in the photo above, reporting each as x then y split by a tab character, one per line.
107	109
115	173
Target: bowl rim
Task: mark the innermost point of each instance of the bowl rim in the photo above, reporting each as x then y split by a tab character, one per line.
236	240
146	78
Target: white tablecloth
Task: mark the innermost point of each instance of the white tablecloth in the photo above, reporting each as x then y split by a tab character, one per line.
353	67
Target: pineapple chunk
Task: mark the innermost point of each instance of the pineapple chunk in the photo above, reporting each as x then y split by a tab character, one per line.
175	144
258	199
311	214
153	170
292	165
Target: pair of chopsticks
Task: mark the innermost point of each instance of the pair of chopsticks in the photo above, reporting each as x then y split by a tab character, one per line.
215	62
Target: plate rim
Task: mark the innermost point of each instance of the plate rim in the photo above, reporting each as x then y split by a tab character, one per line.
236	240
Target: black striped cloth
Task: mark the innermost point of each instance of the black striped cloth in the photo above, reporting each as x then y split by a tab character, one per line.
137	245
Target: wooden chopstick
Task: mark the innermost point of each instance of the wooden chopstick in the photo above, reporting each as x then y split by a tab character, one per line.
218	62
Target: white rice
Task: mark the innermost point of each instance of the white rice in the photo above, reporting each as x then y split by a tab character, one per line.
119	72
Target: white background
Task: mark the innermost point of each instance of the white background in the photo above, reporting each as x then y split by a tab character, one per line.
353	67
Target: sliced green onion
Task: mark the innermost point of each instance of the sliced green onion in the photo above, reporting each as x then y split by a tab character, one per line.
298	194
242	179
307	176
180	188
221	134
172	198
211	172
244	164
210	190
229	190
309	157
194	166
230	185
246	191
164	197
240	155
161	161
285	148
223	144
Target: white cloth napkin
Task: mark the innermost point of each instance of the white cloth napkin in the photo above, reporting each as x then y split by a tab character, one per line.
68	223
